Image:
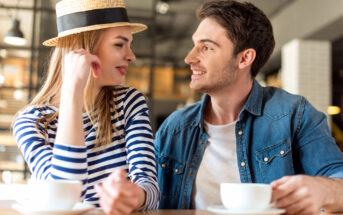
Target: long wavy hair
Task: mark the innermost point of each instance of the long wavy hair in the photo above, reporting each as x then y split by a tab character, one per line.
49	95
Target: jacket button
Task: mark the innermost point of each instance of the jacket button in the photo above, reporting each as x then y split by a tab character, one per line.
164	165
176	170
265	159
242	163
282	152
240	132
191	172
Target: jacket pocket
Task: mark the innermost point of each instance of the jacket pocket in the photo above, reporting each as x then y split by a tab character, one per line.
170	172
275	161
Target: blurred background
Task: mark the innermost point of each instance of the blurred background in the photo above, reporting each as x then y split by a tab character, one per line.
307	60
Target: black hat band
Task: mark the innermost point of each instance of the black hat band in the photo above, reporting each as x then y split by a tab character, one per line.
91	17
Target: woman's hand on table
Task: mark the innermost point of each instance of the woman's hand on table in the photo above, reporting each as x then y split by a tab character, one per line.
119	196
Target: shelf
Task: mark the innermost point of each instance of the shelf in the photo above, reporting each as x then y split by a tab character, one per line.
169	97
13	88
11	166
7	139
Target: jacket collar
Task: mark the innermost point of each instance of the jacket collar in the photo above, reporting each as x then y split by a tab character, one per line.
253	104
255	99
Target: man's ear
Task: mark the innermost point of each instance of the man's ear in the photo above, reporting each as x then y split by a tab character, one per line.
246	58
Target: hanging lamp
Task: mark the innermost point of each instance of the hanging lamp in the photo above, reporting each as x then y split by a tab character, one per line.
15	36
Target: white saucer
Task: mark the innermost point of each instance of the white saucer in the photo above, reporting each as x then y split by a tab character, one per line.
222	210
78	209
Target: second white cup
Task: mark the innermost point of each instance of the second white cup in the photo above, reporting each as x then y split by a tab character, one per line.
245	196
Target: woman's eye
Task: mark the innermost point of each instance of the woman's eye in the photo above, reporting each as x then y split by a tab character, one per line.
119	45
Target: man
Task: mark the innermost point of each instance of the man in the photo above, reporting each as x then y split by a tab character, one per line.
242	132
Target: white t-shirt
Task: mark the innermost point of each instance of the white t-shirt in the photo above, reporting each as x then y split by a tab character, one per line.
220	152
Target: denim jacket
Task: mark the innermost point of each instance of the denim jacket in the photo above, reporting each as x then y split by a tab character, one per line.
277	134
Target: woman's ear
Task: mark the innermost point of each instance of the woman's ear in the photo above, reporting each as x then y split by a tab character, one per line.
246	58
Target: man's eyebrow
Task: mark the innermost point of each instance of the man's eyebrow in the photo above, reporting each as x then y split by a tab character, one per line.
209	41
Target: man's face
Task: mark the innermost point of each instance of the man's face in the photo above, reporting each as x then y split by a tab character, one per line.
211	59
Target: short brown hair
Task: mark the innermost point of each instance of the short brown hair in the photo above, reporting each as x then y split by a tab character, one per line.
246	26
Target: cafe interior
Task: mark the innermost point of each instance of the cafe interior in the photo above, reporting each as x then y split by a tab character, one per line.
307	60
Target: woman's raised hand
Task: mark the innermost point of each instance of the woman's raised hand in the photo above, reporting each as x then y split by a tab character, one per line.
77	66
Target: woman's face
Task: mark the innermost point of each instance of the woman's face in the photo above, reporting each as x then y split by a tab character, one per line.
115	54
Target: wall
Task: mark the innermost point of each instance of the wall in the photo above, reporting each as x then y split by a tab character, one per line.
311	19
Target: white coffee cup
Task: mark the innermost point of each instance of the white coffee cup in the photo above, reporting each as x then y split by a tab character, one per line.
245	196
53	195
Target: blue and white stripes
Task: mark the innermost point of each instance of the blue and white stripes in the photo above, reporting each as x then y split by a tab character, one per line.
131	148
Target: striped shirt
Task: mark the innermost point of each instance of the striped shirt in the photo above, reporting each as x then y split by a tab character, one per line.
131	148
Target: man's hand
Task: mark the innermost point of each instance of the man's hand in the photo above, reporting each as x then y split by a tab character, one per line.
119	196
303	194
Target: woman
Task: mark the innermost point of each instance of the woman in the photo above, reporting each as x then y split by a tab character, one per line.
82	125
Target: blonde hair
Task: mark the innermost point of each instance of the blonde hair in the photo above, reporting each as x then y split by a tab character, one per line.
49	95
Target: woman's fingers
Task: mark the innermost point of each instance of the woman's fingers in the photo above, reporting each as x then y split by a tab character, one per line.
118	193
96	67
112	199
95	64
119	175
78	64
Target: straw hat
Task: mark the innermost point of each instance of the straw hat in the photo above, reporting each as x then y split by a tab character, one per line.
76	16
